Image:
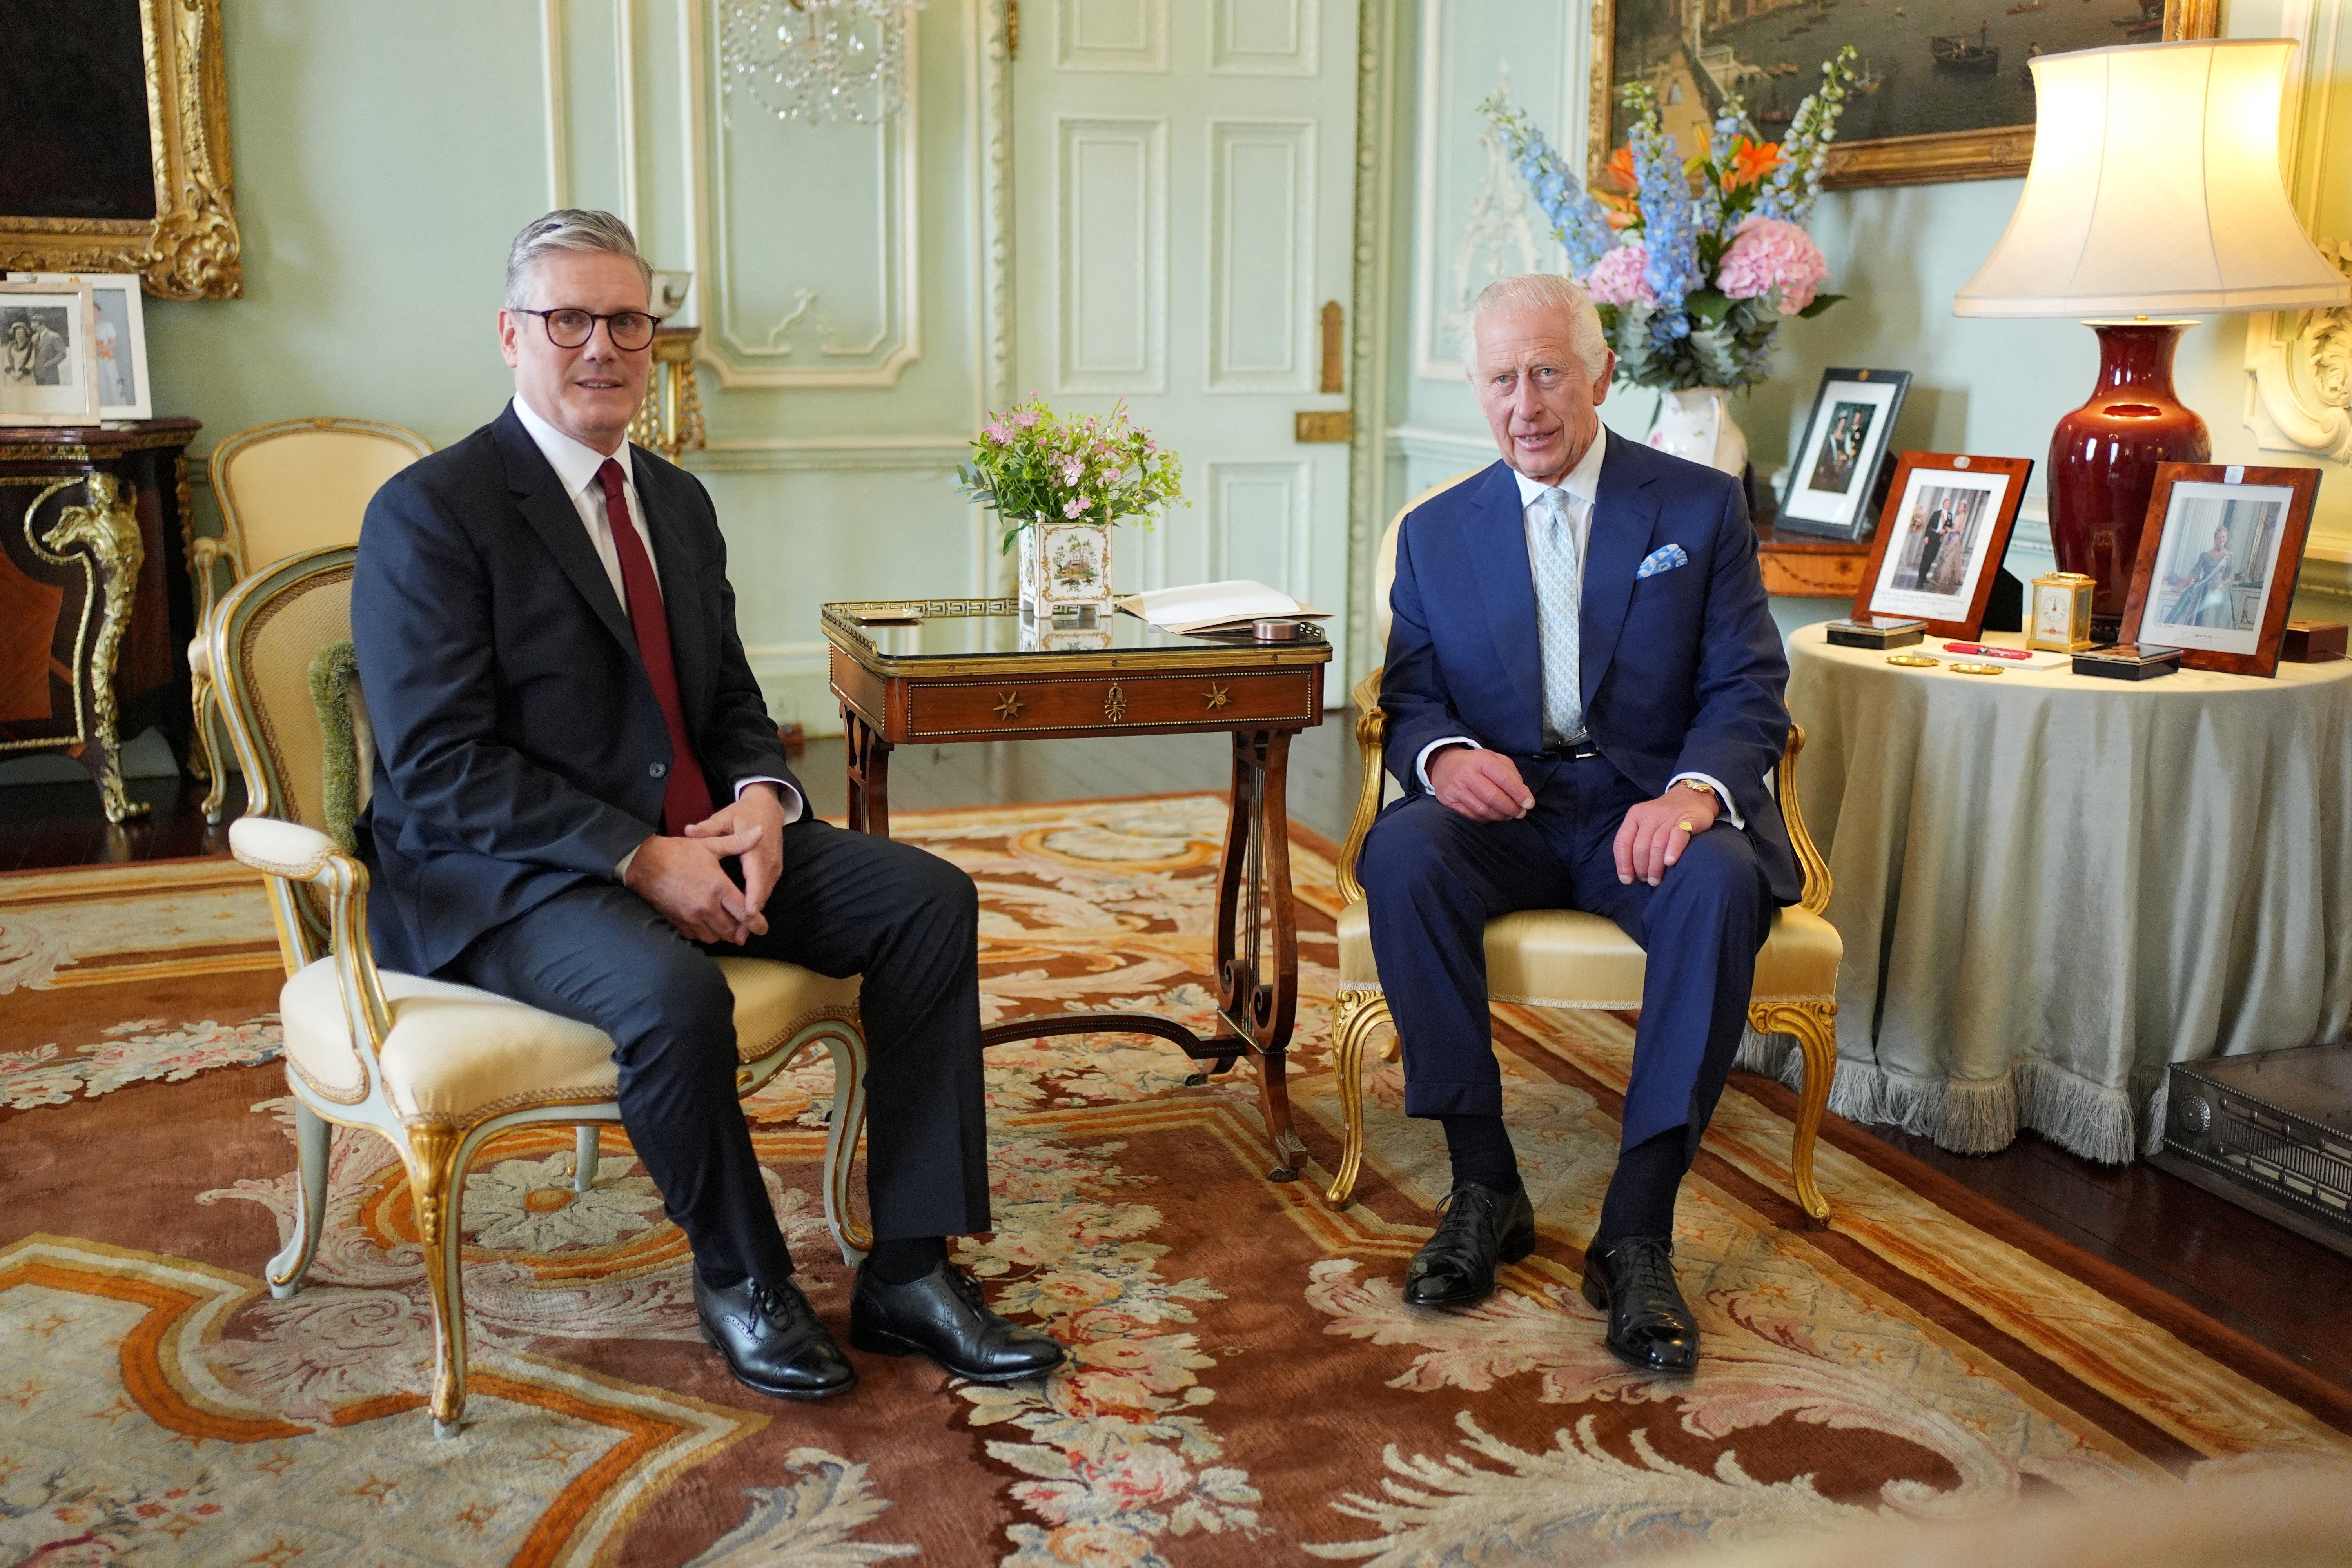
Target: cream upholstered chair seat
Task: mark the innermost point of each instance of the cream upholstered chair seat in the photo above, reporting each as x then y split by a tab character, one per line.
283	488
1567	958
438	1069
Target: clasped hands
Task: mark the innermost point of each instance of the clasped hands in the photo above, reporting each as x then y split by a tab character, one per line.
683	880
1485	787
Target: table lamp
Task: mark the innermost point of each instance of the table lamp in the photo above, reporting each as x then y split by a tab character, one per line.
2153	192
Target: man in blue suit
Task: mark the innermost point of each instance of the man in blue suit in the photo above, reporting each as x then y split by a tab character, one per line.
1583	695
580	800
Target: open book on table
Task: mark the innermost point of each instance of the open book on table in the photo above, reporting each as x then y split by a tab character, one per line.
1217	607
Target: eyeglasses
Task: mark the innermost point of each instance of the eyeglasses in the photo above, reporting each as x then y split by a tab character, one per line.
570	328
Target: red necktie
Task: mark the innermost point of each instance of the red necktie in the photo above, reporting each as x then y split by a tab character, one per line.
687	798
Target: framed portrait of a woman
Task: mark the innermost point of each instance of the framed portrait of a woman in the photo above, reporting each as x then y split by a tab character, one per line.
2218	560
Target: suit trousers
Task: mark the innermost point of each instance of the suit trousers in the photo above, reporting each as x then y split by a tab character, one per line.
847	903
1434	877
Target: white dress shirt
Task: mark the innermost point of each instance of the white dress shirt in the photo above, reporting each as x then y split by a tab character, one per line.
576	467
1583	486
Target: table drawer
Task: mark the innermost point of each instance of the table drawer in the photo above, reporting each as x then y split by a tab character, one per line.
938	711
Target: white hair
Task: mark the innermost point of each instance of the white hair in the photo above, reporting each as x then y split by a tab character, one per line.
567	228
1542	292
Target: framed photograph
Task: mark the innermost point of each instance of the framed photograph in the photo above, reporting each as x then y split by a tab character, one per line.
2218	559
46	372
1945	92
1941	542
1833	484
117	339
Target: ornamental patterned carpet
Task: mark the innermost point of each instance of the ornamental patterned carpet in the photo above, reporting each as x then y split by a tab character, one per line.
1245	1385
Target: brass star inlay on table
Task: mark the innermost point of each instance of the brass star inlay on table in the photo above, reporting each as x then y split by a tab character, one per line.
1217	698
1009	705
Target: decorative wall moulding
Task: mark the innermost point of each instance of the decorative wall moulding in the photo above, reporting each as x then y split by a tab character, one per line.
2301	369
148	190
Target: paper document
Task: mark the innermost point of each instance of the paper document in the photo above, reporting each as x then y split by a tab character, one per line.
1217	607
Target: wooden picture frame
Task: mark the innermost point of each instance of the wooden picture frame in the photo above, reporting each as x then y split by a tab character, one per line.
1933	497
2199	601
48	376
1975	152
136	172
1833	494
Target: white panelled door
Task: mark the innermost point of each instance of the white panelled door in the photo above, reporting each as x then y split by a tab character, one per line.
1185	195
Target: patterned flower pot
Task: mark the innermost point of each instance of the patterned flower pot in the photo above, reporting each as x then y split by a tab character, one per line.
1695	423
1066	573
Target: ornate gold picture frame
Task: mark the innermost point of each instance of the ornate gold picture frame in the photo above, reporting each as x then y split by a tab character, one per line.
1773	27
188	248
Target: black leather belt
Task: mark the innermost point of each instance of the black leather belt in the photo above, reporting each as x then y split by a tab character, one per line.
1575	751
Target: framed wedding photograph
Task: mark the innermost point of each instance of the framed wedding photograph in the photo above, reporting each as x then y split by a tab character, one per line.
117	339
2218	560
1833	484
1941	539
46	372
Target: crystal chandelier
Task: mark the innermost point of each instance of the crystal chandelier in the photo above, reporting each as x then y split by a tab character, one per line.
817	60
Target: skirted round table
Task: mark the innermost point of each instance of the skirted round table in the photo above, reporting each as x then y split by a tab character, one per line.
2051	885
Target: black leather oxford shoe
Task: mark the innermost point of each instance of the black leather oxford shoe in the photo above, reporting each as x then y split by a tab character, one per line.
771	1339
1650	1325
1478	1229
943	1316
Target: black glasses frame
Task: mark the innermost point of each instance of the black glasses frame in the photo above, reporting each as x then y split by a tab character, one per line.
547	321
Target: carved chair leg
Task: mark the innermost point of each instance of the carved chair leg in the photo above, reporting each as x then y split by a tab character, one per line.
848	1048
1356	1015
204	720
1816	1032
436	1188
312	1140
587	1143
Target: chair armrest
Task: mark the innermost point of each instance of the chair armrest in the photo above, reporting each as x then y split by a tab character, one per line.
1371	735
299	854
1810	859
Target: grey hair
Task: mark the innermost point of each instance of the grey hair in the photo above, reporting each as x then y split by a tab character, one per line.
1541	291
568	228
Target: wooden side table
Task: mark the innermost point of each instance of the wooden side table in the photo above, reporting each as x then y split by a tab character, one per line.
95	613
968	671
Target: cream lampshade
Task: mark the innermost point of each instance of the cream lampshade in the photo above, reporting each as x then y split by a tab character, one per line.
2153	189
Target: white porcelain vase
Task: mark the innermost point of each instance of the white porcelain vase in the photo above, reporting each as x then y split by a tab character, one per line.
1695	423
1066	573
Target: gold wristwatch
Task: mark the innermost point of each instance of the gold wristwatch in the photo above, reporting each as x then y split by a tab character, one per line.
1701	785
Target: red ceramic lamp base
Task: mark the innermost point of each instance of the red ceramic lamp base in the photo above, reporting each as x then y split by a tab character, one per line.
2103	459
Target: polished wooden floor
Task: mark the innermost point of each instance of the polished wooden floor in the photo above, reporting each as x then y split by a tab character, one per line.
2264	1281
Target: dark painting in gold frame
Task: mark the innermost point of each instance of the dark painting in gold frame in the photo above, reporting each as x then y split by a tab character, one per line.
1915	120
115	127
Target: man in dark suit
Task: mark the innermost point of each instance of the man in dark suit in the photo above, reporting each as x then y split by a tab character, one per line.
1583	694
580	798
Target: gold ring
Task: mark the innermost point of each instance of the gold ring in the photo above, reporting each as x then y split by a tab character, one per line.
1685	828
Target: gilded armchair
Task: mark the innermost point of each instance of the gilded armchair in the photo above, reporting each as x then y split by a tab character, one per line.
1566	958
296	485
436	1069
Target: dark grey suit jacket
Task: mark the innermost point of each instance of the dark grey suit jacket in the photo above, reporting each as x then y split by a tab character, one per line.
520	751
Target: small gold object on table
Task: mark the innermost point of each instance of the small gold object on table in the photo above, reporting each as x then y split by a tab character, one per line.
671	419
1914	661
2062	611
1970	667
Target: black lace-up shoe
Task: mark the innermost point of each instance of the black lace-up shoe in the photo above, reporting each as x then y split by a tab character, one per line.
771	1339
1650	1325
943	1316
1479	1229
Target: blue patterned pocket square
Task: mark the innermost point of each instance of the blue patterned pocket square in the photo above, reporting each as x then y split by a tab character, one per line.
1665	557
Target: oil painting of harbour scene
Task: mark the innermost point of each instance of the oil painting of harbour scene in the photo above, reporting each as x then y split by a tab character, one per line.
1945	91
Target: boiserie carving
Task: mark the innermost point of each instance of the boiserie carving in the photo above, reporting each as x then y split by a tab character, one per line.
2302	368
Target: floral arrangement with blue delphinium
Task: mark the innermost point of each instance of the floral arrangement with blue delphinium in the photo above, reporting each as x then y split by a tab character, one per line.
1694	269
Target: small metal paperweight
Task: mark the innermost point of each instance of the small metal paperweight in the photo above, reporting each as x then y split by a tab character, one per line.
1875	631
2062	611
2127	662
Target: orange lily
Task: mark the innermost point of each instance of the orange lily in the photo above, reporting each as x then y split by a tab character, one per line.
1750	162
1620	168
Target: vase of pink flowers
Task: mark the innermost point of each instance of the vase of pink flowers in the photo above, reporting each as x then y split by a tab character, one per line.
1692	263
1057	485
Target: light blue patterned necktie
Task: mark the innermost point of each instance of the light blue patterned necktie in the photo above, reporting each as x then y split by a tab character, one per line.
1560	592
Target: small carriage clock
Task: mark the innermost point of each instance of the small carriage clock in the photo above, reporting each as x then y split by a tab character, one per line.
2062	611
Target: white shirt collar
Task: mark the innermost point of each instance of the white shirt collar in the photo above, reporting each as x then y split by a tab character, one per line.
575	464
1583	481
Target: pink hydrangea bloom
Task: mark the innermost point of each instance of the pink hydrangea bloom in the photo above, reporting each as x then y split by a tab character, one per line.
1616	279
1766	253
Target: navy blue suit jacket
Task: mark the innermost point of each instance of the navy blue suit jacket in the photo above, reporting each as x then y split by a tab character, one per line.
1683	672
520	751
